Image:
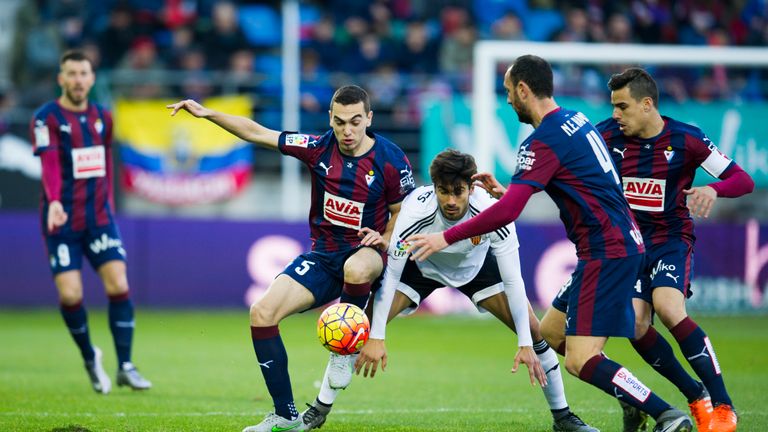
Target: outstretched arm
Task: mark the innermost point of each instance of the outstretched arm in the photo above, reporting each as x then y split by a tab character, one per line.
734	183
243	128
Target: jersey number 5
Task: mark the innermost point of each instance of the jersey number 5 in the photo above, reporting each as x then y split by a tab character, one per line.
602	154
301	271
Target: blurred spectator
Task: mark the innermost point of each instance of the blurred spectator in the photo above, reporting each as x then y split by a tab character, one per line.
370	51
576	27
385	85
240	79
140	73
456	51
619	29
196	82
324	43
508	27
117	38
224	38
418	53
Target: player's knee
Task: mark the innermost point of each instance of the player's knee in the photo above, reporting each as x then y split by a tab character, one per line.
262	316
641	327
358	272
70	297
671	316
573	364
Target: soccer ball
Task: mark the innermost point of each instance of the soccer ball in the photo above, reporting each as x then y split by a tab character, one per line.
343	328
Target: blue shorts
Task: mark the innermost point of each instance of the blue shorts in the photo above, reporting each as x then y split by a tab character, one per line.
669	264
100	245
597	299
322	273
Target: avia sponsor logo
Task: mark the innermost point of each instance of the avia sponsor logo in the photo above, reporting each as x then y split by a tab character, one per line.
662	268
105	242
401	248
631	385
645	193
88	162
525	158
342	212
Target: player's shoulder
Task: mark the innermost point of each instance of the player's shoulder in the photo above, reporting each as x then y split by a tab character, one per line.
45	110
308	141
679	127
421	200
386	146
609	125
101	108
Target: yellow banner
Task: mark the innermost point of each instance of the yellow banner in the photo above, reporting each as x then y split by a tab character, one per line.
148	126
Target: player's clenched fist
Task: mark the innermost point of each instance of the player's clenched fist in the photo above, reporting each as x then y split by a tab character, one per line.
191	107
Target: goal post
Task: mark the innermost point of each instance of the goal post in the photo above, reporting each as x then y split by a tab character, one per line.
487	54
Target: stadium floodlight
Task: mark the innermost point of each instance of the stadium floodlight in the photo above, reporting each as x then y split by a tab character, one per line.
487	54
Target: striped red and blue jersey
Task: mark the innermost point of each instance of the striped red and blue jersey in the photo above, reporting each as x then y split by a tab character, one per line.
566	158
349	193
83	142
655	171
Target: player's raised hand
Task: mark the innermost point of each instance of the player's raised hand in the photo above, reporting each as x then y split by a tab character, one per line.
700	200
56	215
191	107
372	238
526	355
368	361
488	182
424	245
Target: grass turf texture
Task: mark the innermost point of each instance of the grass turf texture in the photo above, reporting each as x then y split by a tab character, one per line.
445	374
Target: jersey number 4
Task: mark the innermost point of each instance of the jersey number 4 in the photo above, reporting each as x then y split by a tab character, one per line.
602	154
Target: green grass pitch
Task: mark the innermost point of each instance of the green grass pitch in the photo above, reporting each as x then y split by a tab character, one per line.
444	374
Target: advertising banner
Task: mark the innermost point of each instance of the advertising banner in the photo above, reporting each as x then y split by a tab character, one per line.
194	263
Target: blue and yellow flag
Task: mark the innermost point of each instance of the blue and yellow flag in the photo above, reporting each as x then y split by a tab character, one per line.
181	160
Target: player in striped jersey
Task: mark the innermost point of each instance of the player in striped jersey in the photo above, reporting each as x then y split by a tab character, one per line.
358	182
657	158
566	157
73	138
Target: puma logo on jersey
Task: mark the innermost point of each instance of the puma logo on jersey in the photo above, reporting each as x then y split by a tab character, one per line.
673	277
621	152
66	128
265	365
326	168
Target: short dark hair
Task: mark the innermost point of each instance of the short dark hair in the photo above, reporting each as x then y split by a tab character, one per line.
74	55
534	71
641	84
451	166
350	95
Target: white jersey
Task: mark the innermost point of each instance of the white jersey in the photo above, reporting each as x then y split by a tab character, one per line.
457	264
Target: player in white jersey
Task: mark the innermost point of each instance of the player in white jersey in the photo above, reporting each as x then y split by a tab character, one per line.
486	269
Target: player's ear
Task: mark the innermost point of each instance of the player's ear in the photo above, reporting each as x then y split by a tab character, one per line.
330	118
370	118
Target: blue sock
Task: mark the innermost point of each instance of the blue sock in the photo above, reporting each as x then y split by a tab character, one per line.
273	360
657	352
357	294
121	323
618	382
76	320
697	348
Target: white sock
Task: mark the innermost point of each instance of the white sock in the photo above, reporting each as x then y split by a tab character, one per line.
554	391
327	395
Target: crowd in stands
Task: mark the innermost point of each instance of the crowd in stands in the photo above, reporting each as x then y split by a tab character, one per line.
402	48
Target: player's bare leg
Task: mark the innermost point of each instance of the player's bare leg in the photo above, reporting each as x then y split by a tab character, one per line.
553	329
315	415
669	304
284	297
113	275
554	392
70	288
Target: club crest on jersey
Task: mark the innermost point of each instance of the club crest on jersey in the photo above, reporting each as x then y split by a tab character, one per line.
66	128
669	153
369	178
645	193
98	125
342	212
401	248
297	140
475	240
